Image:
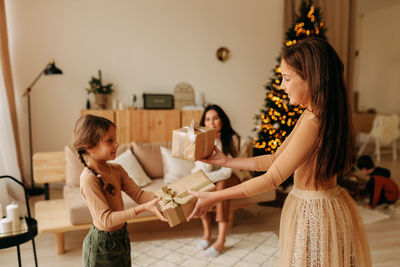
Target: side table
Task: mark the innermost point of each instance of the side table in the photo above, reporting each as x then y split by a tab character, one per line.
48	168
28	232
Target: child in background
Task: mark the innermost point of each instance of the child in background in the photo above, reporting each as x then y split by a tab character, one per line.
381	187
101	185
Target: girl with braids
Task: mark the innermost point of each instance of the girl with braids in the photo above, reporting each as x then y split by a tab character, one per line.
229	142
101	185
320	223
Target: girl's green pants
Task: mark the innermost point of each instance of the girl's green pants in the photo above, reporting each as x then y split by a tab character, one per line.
101	248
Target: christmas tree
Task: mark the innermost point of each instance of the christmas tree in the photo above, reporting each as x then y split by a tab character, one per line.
278	117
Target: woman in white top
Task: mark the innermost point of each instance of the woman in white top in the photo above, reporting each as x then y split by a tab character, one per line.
229	142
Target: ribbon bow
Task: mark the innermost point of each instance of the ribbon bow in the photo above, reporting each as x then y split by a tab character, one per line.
168	199
191	132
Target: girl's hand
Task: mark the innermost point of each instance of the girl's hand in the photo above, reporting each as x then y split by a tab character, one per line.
218	158
151	206
205	201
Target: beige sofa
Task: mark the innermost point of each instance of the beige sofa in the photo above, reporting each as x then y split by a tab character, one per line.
58	216
150	159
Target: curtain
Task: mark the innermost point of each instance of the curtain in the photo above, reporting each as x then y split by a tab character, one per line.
9	163
290	11
8	154
339	17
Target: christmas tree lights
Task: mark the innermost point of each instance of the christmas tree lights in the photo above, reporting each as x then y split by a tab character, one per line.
278	117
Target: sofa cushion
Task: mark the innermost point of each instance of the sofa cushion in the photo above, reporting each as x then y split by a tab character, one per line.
132	166
149	156
155	185
174	168
77	210
79	213
246	151
74	166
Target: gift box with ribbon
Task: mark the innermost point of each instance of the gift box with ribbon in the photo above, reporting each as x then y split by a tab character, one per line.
193	143
176	203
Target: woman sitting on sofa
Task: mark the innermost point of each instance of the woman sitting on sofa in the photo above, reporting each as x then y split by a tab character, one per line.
229	142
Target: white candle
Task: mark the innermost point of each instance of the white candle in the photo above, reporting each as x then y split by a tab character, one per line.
120	105
13	215
13	212
5	226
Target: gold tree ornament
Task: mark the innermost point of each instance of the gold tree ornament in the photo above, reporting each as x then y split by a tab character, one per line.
223	54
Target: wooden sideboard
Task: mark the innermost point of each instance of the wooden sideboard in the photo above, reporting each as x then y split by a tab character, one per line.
144	125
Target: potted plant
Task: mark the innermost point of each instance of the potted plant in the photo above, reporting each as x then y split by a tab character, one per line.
100	91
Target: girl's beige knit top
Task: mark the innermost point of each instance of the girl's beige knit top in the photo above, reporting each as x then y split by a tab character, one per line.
107	210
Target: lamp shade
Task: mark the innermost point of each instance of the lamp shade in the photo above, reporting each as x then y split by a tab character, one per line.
52	69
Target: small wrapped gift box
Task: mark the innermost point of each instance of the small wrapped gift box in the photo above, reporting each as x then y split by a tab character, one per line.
176	203
193	143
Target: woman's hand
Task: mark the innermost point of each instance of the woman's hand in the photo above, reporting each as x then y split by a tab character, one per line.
218	158
205	201
151	206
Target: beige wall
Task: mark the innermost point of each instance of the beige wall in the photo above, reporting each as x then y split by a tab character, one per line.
377	69
141	46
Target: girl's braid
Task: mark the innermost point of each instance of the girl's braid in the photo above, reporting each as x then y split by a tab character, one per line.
106	186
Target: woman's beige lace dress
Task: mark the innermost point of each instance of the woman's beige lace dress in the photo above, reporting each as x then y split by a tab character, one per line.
318	228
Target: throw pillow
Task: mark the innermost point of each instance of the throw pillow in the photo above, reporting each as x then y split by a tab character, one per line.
174	168
149	156
131	165
73	167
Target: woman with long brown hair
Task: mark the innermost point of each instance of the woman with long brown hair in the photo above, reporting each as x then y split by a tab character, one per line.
320	223
229	142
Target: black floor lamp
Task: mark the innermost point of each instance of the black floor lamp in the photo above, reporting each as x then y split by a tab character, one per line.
50	69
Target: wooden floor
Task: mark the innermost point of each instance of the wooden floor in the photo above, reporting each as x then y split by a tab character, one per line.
384	236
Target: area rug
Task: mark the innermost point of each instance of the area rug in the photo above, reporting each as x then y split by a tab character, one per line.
252	249
371	216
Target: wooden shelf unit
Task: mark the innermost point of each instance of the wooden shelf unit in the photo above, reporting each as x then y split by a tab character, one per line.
144	125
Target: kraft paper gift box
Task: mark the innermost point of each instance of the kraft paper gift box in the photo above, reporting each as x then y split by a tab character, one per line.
193	143
176	203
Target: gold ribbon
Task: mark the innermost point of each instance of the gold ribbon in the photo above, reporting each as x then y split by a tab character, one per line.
168	200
